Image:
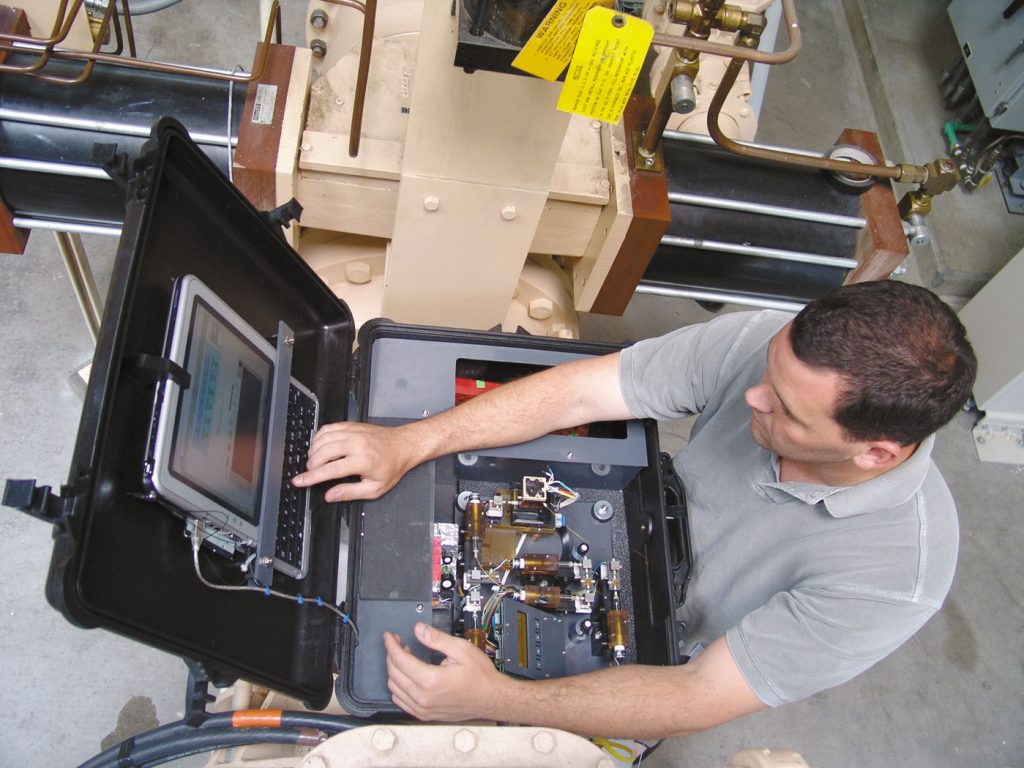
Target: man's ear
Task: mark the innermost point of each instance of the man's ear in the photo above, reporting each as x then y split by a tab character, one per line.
882	455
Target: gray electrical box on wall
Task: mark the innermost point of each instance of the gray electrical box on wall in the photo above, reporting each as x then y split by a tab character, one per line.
993	47
993	319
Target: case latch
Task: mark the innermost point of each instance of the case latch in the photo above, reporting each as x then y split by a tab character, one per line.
284	215
38	501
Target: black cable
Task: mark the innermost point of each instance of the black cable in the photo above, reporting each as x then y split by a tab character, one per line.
221	721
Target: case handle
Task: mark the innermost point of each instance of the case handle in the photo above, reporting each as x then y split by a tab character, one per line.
678	528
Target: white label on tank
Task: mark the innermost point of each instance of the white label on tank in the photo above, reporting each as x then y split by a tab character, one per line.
263	108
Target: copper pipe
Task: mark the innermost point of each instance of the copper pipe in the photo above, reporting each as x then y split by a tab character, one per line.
129	30
369	19
740	52
54	37
686	63
837	166
61	29
88	68
154	66
350	3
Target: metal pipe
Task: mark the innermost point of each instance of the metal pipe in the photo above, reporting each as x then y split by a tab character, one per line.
103	126
739	52
72	251
717	297
152	66
129	30
22	222
854	222
915	173
56	35
58	169
363	75
700	138
755	250
82	76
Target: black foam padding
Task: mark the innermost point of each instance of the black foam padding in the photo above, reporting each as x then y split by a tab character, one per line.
396	536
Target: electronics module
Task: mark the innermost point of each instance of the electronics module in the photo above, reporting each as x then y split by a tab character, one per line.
530	578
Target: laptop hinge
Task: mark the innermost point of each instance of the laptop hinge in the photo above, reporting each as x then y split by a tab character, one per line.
39	501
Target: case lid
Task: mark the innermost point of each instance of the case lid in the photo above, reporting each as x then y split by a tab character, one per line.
123	562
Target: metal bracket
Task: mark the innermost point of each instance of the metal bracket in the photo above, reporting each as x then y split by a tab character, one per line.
263	567
641	162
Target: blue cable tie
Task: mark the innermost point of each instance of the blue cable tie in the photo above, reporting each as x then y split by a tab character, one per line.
319	601
300	598
344	618
266	591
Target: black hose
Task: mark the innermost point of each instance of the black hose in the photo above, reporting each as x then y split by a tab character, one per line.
221	723
180	745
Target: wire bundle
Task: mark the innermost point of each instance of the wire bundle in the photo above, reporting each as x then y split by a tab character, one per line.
197	540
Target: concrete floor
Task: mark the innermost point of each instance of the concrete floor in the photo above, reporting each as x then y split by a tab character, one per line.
952	696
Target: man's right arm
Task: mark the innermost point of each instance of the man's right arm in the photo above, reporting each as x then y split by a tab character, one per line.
558	398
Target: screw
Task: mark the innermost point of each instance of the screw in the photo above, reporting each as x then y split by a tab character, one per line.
319	18
425	413
431	203
266	560
508	213
419	608
289	341
319	48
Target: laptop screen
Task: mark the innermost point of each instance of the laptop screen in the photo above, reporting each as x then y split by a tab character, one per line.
220	431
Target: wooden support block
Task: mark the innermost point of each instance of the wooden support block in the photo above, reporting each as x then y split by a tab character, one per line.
882	244
651	217
259	135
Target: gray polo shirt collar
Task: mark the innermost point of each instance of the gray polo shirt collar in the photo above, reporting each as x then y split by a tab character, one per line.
887	490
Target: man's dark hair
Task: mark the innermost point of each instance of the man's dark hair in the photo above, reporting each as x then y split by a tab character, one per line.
903	354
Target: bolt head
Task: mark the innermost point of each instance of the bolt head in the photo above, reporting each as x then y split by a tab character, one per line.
543	742
358	272
464	741
383	739
541	309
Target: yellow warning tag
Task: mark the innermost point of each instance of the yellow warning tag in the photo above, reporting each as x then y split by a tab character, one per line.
605	65
550	47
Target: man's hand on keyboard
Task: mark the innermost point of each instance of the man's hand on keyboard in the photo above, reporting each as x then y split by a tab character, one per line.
373	458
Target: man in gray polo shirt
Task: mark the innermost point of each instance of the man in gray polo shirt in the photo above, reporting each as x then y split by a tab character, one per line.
823	534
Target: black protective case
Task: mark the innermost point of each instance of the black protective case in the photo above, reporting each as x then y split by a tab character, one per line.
122	562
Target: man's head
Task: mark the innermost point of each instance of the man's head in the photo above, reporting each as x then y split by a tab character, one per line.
902	356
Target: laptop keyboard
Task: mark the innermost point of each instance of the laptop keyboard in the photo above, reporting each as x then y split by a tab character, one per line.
291	517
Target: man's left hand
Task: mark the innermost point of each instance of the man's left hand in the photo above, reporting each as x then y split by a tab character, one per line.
464	686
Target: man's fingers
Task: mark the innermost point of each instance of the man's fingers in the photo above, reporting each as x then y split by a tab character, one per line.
437	640
405	662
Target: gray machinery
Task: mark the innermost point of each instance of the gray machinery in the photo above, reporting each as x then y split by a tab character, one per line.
985	89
